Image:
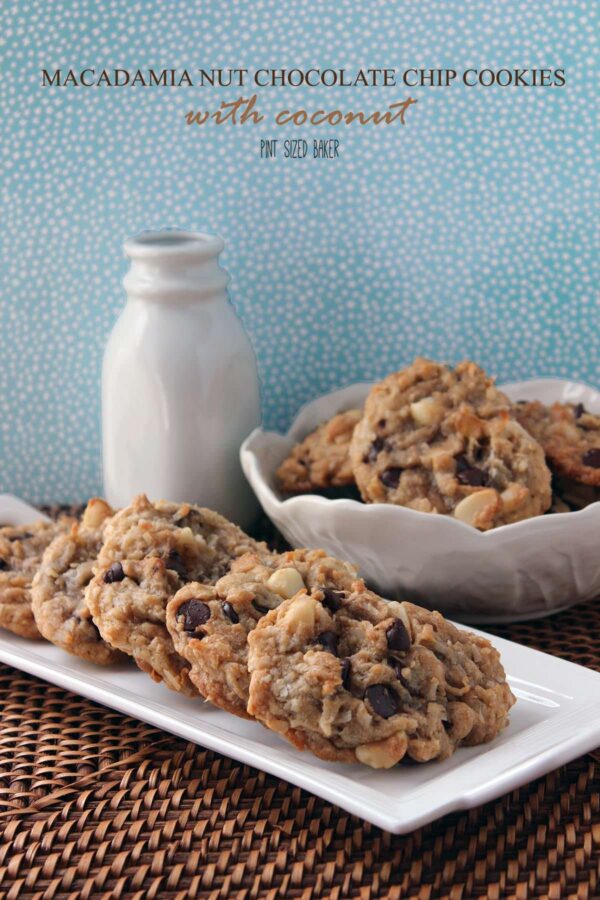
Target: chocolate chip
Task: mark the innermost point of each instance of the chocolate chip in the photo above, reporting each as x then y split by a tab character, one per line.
332	600
447	724
175	562
397	666
114	573
190	520
3	564
194	613
468	474
259	608
374	450
382	423
579	410
383	699
391	477
398	637
345	672
591	458
230	612
328	641
473	476
462	463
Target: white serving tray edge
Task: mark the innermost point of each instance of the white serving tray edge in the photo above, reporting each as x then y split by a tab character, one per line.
472	777
556	719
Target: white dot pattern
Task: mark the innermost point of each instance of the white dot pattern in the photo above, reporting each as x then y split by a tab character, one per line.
466	233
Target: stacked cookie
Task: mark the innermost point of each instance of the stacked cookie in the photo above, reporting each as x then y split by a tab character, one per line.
21	550
294	640
448	441
570	437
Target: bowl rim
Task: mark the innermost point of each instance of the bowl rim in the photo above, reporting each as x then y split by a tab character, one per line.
260	436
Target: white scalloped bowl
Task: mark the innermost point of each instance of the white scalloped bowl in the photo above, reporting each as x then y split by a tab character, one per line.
511	573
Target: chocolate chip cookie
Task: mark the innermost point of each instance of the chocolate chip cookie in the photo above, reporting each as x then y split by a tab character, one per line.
58	589
558	505
570	437
371	681
444	440
321	460
210	625
21	550
150	551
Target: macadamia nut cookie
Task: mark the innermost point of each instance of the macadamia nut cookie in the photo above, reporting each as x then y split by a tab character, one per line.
128	601
210	625
58	589
371	681
321	460
574	494
570	437
150	551
444	440
196	543
21	550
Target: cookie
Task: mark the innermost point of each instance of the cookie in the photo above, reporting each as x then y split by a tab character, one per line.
372	681
150	551
575	494
444	440
321	460
128	601
570	436
210	625
58	589
558	505
21	550
195	542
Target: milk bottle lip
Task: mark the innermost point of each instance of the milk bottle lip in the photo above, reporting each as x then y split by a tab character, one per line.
173	244
174	266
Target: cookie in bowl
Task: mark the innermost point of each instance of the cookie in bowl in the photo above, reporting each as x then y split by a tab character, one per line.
570	437
442	440
322	459
373	681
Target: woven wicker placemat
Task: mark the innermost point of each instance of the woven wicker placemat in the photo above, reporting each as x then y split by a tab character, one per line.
97	804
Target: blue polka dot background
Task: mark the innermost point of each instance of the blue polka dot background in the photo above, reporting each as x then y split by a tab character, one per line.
467	232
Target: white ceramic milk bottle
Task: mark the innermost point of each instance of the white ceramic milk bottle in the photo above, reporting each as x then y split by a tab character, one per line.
179	381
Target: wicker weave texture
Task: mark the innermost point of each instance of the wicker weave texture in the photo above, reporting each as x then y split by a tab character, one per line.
96	804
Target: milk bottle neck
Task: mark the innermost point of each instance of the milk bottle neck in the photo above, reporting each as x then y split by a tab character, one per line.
175	267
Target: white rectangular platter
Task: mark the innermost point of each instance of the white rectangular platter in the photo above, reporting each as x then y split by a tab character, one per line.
556	718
